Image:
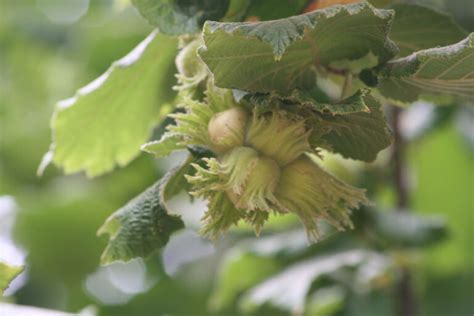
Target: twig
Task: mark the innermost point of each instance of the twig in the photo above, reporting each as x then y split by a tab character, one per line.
407	305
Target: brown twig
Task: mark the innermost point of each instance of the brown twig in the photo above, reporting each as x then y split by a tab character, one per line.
407	305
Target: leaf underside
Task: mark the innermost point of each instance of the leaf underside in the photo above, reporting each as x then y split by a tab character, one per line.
446	70
417	27
281	54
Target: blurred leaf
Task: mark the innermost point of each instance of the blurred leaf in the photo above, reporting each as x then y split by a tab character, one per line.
22	310
7	274
108	120
321	4
175	17
408	230
284	292
280	54
140	227
238	273
237	10
271	10
417	27
447	191
446	70
326	301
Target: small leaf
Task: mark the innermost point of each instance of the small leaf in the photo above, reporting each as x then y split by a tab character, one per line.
168	143
7	274
440	71
281	54
106	122
176	17
358	135
142	226
417	27
408	230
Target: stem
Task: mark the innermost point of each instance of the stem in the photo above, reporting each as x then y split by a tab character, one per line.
407	305
346	88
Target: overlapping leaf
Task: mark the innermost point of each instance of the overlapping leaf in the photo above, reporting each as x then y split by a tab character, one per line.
355	127
357	135
107	121
353	104
446	70
175	17
281	54
417	27
143	225
283	292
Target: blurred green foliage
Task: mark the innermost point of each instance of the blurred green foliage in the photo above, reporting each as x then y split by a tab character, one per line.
42	62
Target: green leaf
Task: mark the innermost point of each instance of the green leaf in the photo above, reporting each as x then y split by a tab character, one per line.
7	274
107	121
142	226
168	143
176	17
281	55
440	71
358	135
283	292
272	10
416	27
238	273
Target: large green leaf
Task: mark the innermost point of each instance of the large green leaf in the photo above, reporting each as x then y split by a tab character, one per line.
283	292
446	70
416	27
357	135
7	274
105	123
175	17
143	225
282	54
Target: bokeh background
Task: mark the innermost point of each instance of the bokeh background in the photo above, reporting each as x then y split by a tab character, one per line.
49	48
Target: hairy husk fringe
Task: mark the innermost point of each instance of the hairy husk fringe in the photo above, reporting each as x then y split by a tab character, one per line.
262	166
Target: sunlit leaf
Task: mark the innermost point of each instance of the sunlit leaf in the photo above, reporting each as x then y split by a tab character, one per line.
7	274
107	121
